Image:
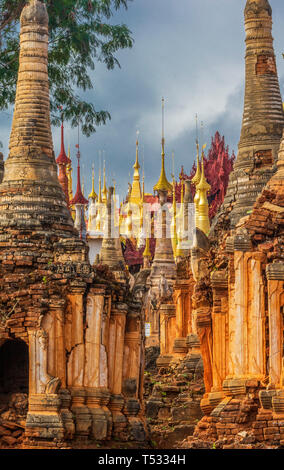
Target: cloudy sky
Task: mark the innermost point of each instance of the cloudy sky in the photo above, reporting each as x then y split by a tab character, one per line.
192	53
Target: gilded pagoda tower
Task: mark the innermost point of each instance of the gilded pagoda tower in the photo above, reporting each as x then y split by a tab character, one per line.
135	195
163	262
263	117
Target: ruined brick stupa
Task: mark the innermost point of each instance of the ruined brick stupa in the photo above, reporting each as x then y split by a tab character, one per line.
263	117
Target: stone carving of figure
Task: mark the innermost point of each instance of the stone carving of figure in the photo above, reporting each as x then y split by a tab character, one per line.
153	299
164	288
47	383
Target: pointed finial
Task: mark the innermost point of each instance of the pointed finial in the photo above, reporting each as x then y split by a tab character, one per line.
163	117
195	180
136	165
203	185
163	126
62	158
105	192
135	188
163	184
79	198
202	212
93	194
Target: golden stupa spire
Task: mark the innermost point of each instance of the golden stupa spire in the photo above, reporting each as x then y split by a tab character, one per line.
203	221
163	184
203	185
195	180
147	251
135	194
93	194
104	185
147	255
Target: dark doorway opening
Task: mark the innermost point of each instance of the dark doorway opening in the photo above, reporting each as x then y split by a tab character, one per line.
14	380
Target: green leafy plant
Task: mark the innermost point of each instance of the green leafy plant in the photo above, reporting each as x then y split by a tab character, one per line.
80	35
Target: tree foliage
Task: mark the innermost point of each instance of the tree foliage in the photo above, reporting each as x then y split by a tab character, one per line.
80	34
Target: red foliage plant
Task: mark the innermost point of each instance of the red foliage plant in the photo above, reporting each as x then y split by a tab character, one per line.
217	166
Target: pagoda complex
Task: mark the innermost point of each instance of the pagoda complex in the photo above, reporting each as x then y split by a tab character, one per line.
70	337
75	296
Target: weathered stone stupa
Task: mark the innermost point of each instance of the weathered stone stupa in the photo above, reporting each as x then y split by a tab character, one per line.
31	195
263	117
69	341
